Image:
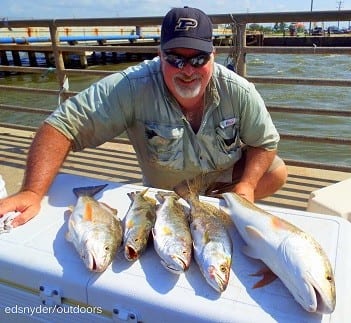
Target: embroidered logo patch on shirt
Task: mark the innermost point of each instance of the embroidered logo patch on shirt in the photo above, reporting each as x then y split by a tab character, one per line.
227	123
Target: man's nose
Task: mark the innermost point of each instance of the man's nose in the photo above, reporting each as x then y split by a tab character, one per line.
188	69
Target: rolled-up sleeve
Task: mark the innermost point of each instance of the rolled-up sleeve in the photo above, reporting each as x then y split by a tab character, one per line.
96	114
256	125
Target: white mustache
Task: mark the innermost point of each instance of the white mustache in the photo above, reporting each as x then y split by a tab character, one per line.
186	78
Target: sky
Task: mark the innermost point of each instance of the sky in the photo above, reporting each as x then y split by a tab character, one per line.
60	9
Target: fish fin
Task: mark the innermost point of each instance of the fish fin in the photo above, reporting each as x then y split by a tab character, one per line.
131	195
183	190
88	190
161	195
143	192
113	210
198	185
254	233
250	252
150	200
268	277
88	213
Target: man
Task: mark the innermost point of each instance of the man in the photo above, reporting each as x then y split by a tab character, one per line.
183	113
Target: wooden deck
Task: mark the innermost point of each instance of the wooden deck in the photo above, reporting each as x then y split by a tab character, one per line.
117	162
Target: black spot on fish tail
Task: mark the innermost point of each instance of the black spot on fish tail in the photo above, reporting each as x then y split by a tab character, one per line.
88	190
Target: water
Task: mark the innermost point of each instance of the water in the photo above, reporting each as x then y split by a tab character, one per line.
309	66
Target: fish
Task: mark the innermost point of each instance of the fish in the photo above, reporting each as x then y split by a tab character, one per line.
94	229
171	233
139	221
290	253
212	244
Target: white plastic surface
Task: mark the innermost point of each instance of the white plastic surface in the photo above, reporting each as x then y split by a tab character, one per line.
333	200
3	192
37	254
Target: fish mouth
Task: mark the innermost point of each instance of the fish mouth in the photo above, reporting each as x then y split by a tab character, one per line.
217	280
94	266
323	290
321	299
219	284
177	267
324	304
130	253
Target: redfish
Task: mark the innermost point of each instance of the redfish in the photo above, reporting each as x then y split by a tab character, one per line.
94	229
290	253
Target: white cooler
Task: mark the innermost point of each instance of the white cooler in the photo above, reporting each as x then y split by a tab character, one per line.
333	199
43	279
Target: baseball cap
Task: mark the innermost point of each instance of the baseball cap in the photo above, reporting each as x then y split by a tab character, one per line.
186	28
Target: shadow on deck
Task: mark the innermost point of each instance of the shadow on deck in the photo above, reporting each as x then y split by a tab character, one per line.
116	161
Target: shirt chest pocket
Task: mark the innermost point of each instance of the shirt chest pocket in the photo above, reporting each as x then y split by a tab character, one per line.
228	144
228	137
165	144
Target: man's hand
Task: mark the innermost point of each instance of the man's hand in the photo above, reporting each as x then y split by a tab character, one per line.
27	203
246	190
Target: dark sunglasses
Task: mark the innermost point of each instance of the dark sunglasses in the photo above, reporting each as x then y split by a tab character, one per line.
180	61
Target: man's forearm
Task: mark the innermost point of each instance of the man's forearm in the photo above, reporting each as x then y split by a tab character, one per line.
258	160
45	157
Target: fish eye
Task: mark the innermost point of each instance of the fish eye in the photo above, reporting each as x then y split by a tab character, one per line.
107	248
329	278
223	268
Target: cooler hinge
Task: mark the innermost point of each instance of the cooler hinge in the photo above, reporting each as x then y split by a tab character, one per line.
50	296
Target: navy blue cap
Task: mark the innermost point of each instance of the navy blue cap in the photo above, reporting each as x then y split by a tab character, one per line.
187	28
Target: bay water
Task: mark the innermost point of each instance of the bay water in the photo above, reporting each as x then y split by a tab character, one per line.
301	66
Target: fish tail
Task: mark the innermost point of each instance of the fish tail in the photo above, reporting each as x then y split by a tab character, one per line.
161	196
196	186
183	189
132	195
88	190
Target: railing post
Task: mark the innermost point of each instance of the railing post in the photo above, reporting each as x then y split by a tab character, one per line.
59	63
241	44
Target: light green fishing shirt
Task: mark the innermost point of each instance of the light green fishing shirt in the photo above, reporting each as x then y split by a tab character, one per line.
137	101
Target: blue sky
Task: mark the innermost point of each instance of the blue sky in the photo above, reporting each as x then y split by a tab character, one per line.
48	9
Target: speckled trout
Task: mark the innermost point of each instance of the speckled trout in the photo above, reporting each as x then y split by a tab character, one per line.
94	229
290	253
212	244
139	221
171	233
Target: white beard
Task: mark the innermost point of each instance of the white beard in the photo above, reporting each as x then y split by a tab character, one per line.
189	90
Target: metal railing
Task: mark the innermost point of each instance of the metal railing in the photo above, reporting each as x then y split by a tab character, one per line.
237	52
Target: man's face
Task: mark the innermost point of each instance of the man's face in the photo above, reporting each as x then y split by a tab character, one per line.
184	80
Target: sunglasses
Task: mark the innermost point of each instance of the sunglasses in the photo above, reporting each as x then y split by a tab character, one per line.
179	61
